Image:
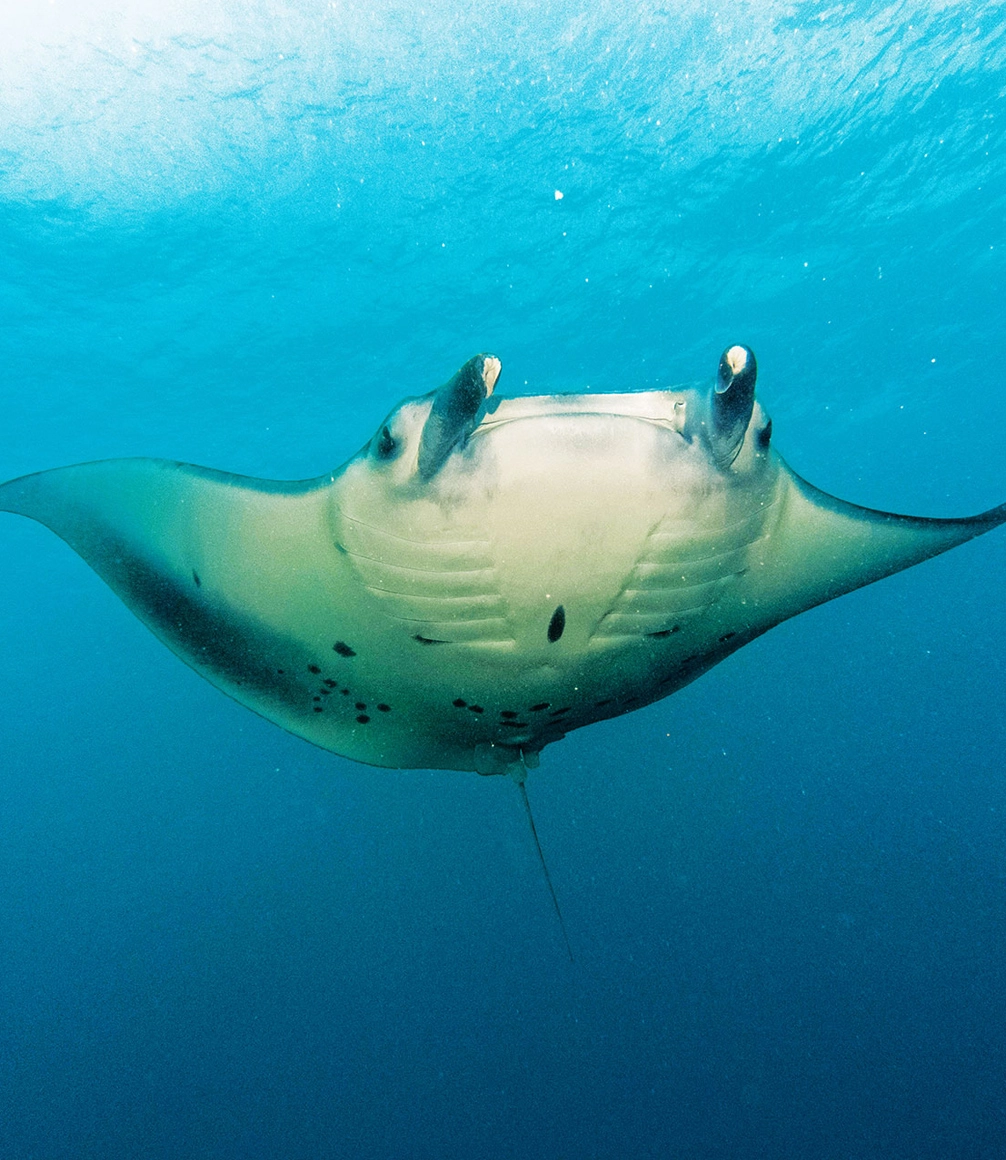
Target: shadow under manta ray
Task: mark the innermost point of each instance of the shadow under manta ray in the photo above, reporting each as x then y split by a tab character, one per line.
485	574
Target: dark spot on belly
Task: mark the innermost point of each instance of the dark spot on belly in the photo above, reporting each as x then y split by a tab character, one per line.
325	692
765	435
459	704
429	639
195	577
343	649
557	624
360	705
514	724
344	692
508	713
316	698
331	684
476	708
313	669
559	712
363	718
382	708
318	709
726	636
541	705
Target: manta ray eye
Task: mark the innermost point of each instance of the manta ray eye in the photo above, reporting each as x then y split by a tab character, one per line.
386	445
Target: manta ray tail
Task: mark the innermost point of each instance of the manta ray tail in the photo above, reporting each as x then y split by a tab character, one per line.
544	866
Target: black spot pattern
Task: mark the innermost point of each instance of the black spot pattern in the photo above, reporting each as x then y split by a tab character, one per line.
459	704
508	713
212	635
209	634
541	705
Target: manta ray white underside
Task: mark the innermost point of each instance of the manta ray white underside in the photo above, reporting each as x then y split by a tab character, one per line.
486	574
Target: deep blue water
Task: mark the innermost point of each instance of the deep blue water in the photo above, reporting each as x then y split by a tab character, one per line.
237	234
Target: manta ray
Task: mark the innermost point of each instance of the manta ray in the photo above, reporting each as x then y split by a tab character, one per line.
485	574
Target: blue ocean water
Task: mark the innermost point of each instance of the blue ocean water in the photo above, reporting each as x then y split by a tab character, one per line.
237	234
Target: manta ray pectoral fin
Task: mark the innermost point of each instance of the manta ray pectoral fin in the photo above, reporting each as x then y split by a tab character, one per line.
822	547
205	559
456	410
154	508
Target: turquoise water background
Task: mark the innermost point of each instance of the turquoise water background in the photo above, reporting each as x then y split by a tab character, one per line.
237	234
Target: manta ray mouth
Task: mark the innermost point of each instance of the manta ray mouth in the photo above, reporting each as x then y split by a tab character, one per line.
491	423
